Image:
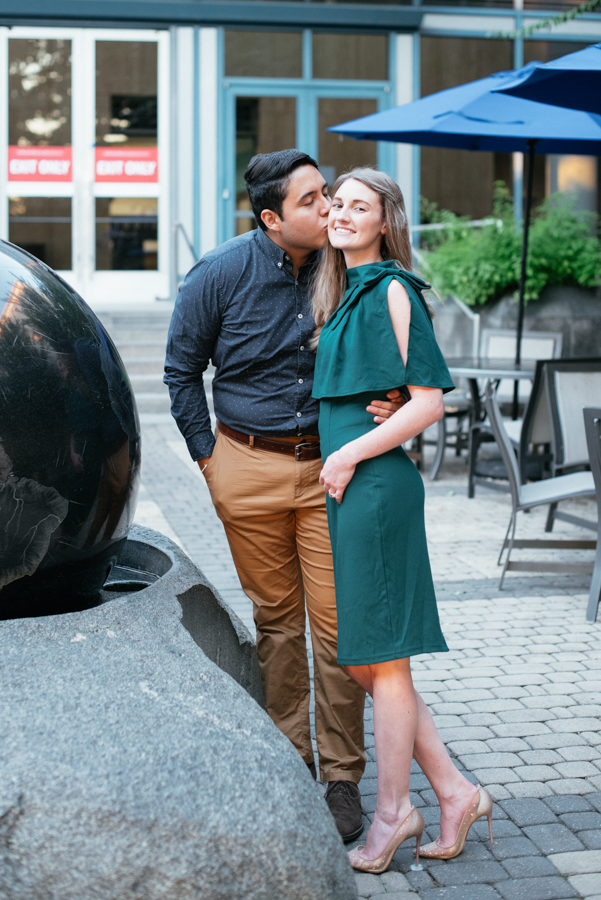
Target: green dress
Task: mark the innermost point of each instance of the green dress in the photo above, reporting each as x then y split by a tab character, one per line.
384	590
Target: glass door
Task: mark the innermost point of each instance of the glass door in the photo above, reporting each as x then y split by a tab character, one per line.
275	119
126	154
263	125
84	144
130	241
336	152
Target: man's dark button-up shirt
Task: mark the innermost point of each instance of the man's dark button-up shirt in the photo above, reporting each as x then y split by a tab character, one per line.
241	308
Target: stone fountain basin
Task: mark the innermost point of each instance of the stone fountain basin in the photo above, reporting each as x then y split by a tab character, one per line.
150	560
136	762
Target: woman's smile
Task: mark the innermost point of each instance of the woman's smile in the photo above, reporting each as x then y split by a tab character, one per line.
356	223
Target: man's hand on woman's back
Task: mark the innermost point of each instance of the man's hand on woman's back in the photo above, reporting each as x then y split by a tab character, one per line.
384	409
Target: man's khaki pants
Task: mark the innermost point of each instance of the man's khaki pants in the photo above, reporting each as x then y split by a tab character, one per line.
273	510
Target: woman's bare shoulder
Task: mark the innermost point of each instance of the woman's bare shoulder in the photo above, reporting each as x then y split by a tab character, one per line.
398	298
399	309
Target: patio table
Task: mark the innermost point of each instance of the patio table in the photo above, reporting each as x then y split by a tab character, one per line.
481	367
473	368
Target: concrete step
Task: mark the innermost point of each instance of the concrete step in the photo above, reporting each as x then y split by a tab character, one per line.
150	402
155	402
123	335
145	366
149	384
133	319
146	348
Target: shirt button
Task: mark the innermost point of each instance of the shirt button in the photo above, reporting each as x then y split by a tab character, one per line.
300	315
300	380
302	348
279	265
298	415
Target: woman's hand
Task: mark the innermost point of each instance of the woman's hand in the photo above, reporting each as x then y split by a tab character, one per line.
338	470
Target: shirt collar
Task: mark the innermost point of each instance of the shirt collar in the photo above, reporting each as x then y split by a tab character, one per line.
280	257
270	248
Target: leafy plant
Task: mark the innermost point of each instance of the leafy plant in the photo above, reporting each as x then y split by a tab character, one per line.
481	264
431	214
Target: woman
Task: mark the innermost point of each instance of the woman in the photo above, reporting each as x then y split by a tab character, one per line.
374	332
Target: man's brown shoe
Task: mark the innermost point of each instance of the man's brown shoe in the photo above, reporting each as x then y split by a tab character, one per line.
344	802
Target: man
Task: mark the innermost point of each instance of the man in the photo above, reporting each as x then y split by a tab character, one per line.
246	307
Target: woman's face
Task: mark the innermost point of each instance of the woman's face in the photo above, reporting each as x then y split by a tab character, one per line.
356	220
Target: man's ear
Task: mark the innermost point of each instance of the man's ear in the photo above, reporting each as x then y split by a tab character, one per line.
271	220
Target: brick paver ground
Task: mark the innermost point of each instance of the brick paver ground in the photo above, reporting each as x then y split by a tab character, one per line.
517	699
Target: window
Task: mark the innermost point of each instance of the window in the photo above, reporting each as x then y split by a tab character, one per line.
263	124
42	226
126	153
339	77
263	54
126	233
578	174
126	93
338	153
362	57
460	180
39	109
39	137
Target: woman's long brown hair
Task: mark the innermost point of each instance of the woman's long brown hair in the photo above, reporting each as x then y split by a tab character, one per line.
329	283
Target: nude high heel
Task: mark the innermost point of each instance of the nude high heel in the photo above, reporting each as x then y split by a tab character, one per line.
411	826
480	805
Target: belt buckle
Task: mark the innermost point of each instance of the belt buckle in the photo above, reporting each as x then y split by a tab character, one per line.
298	449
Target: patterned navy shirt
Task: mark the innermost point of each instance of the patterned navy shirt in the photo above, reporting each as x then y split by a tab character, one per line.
241	308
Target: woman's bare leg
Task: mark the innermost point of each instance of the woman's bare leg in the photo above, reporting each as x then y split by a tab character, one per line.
395	724
404	728
452	789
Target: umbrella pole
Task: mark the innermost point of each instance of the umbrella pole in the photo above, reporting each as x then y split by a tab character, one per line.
527	213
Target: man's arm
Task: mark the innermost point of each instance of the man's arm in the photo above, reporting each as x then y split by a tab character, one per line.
193	332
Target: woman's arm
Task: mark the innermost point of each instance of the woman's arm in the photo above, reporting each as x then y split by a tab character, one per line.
424	409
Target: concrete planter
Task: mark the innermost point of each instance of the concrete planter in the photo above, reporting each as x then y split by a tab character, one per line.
575	312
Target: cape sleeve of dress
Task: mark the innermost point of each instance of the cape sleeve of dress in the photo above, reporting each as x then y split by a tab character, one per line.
358	349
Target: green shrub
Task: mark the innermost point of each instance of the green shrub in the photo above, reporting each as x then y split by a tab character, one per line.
430	214
482	264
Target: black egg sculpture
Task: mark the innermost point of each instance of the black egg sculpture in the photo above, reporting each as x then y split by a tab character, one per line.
69	444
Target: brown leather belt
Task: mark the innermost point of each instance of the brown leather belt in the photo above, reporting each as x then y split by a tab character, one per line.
303	451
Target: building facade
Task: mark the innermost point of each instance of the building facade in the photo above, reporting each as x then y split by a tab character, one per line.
126	126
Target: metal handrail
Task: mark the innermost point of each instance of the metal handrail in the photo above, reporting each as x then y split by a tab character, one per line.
474	223
178	226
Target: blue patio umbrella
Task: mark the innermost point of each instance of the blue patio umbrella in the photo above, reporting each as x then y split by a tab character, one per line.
475	116
572	81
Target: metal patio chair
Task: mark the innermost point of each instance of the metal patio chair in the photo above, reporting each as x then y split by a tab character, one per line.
459	404
533	437
570	386
592	428
539	493
499	344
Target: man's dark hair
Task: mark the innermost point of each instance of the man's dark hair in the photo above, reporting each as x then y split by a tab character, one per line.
267	178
